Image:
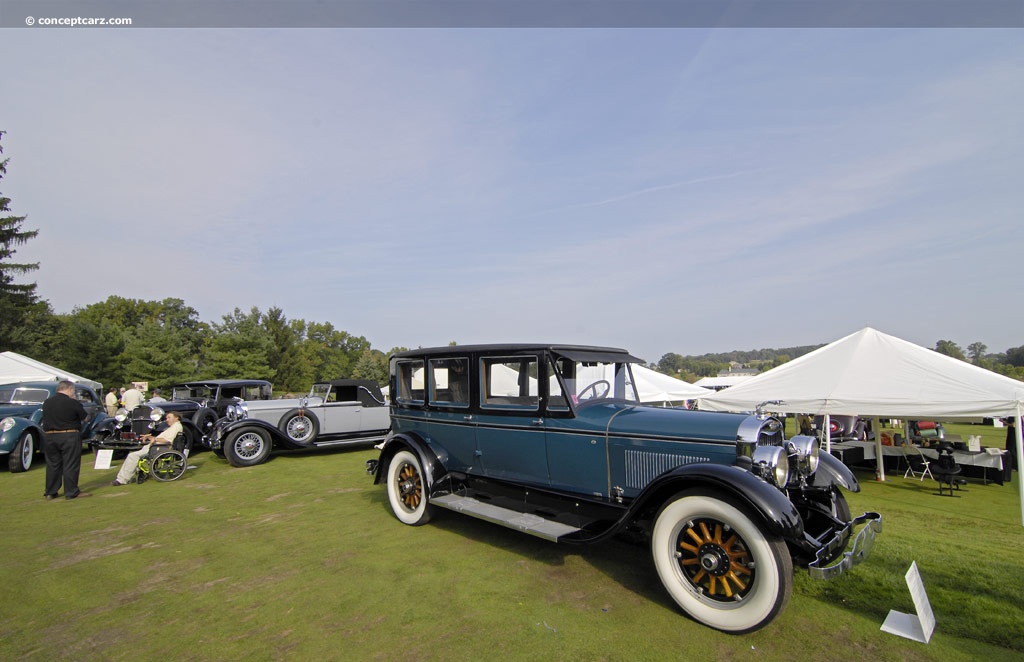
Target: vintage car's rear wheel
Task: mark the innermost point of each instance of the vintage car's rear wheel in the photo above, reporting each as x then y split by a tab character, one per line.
21	456
719	565
300	425
247	447
407	490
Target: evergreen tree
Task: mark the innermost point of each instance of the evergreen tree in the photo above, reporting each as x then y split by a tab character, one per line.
16	299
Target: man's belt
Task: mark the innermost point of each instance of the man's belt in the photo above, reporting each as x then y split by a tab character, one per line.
61	431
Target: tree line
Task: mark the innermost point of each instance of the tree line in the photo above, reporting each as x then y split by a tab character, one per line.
121	340
692	368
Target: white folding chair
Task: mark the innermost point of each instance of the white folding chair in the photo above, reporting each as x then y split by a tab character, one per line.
918	466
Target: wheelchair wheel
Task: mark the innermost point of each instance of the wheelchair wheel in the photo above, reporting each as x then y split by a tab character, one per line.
168	465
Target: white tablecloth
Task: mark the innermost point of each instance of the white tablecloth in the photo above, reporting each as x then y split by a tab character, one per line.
981	459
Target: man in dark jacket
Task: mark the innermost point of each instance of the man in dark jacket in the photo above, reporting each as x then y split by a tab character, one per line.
62	446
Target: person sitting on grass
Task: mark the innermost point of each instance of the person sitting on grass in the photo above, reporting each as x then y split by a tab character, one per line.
130	467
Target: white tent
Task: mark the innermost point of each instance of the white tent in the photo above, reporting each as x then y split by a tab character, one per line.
724	381
869	373
17	368
654	387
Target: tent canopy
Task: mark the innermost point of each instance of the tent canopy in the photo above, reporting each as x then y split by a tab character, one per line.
17	368
869	373
653	386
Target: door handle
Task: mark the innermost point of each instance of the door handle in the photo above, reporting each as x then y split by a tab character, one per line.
537	421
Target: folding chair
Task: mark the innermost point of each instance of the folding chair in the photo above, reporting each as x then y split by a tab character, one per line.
947	471
918	465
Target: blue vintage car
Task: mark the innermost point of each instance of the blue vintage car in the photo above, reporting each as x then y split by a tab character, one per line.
551	440
21	414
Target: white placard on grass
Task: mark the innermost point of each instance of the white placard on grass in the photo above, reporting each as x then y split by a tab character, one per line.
920	626
103	458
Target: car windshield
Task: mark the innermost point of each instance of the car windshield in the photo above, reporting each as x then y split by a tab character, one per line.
199	392
594	381
321	391
23	396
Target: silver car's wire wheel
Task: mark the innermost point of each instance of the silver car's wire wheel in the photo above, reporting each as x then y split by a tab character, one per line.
248	445
299	428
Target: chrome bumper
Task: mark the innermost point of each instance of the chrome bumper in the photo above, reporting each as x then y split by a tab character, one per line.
862	544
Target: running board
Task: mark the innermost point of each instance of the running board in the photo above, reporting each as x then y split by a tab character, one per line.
348	440
513	519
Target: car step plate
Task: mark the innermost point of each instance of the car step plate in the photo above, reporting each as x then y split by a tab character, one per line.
537	526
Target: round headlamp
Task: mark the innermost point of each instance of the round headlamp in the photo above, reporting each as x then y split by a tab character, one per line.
120	415
156	415
772	464
806	450
7	424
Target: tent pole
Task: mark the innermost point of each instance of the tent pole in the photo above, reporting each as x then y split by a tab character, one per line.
879	458
1020	455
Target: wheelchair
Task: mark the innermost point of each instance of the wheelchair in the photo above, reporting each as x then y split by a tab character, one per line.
163	464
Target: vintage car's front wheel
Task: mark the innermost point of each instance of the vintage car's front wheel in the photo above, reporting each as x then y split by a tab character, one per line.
407	490
719	565
247	447
300	425
22	454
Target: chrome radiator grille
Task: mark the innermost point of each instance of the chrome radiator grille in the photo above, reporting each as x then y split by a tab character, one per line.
644	466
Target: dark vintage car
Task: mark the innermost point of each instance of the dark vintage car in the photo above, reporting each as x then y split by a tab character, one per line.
342	412
21	413
124	431
200	403
552	441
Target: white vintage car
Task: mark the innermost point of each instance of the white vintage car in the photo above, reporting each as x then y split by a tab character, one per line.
342	412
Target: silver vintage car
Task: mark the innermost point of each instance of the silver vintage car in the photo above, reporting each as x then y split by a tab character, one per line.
342	412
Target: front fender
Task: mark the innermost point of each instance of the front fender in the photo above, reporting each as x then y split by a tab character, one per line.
277	438
778	513
433	467
10	437
833	472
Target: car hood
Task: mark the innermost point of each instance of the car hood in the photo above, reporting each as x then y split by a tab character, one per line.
635	420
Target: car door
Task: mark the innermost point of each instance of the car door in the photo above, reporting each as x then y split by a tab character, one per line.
93	407
341	412
510	433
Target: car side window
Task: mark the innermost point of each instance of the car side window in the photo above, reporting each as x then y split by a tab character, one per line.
509	383
449	382
556	396
85	397
409	381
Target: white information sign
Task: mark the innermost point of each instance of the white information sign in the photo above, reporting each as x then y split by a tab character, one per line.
103	457
920	626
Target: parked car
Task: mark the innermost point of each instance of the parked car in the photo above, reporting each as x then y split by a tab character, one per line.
843	428
124	430
551	440
200	402
21	415
342	412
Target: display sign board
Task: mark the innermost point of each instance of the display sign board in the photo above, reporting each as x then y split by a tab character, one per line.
103	458
920	626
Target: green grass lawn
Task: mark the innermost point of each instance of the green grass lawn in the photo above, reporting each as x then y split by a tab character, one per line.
300	559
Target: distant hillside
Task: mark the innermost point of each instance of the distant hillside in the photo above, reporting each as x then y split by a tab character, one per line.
692	368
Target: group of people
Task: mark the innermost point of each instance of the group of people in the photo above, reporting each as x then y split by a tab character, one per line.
128	398
63	416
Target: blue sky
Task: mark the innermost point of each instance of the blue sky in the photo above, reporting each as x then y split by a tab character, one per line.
677	190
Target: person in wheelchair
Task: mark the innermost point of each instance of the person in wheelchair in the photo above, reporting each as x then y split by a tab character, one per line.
130	466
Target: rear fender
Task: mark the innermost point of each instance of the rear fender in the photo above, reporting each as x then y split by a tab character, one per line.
433	466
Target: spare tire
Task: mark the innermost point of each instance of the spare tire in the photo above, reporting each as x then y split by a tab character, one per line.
301	426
